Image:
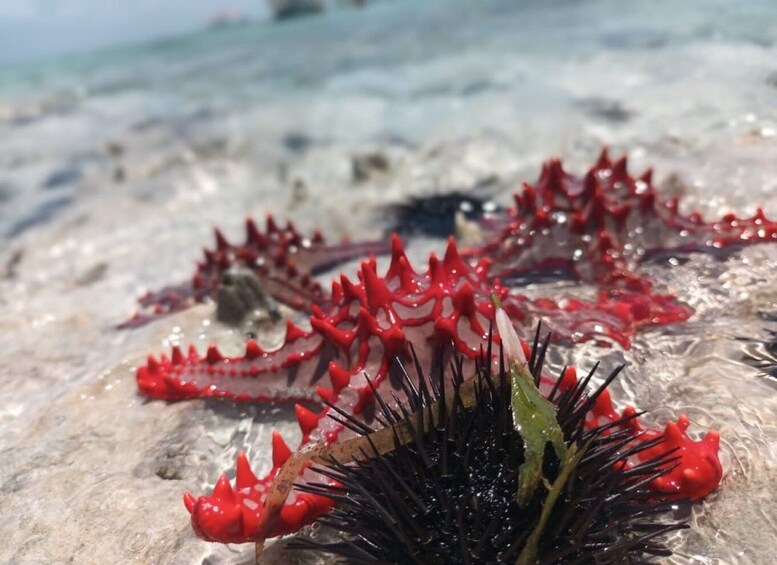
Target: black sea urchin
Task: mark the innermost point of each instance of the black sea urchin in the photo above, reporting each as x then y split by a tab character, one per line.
435	215
446	493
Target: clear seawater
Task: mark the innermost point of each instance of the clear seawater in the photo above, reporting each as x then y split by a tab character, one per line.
114	167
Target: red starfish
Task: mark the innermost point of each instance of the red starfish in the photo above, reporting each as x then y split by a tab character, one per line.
281	258
364	325
367	325
600	228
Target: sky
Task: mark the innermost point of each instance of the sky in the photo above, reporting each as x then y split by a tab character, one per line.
32	29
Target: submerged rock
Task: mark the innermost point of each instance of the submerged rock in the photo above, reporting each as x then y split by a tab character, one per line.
241	296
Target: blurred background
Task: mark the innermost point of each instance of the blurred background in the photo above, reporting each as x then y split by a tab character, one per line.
41	28
89	90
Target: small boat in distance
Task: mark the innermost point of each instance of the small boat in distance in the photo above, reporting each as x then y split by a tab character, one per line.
284	9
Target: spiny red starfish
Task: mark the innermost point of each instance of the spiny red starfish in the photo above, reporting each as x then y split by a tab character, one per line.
281	258
600	227
367	326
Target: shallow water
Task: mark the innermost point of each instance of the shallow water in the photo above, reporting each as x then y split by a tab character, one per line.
114	167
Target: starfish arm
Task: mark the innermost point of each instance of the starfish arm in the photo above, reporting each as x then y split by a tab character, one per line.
325	257
291	372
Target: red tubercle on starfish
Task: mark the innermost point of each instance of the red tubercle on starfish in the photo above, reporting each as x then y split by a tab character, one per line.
283	260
